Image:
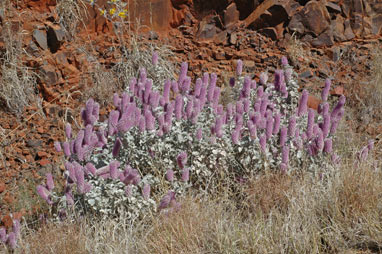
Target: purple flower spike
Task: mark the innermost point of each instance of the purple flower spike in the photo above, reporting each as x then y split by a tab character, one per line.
263	78
283	136
325	91
189	107
328	145
199	134
326	125
68	130
288	74
263	142
185	175
146	191
320	140
279	79
183	72
269	126
239	107
69	196
49	182
232	82
252	129
44	193
218	127
57	146
253	84
170	175
142	124
235	135
284	61
246	104
154	59
260	91
12	241
239	67
114	172
309	129
303	106
292	126
370	144
16	227
182	159
3	235
175	87
90	168
80	181
276	125
166	200
211	90
198	87
338	107
285	155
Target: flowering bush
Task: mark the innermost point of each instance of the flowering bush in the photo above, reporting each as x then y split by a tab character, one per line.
10	238
167	139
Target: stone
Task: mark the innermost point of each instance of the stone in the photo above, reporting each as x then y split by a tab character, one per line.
40	38
34	143
332	7
306	74
233	38
315	17
231	15
270	32
338	29
338	91
324	39
44	162
348	30
376	24
222	37
206	29
48	74
55	37
296	25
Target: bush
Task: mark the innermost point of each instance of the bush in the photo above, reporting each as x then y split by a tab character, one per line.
169	139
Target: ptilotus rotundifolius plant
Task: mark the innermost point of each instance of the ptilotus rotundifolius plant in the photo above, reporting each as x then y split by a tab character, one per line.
181	133
10	237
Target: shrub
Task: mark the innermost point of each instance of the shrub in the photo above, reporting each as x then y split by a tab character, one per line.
168	139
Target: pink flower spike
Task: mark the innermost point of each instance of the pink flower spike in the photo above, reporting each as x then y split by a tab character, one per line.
328	145
170	175
44	193
49	182
325	91
114	172
12	241
146	191
57	145
185	175
116	148
263	143
154	59
239	67
284	61
166	200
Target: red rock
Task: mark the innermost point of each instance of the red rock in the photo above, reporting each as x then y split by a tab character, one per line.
339	90
313	102
2	187
348	30
44	162
7	221
315	17
42	154
231	15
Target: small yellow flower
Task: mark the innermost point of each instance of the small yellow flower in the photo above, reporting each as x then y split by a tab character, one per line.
122	14
102	12
112	11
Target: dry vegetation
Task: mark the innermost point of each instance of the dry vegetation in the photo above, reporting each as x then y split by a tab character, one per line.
18	82
337	213
280	214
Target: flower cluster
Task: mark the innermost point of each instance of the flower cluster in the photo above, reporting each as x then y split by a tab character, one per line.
117	9
167	139
10	238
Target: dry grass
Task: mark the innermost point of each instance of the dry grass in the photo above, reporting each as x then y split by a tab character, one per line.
18	82
295	50
284	214
374	98
72	14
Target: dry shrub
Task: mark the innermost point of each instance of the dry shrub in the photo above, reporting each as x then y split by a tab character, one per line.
55	238
71	14
295	49
18	82
269	192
